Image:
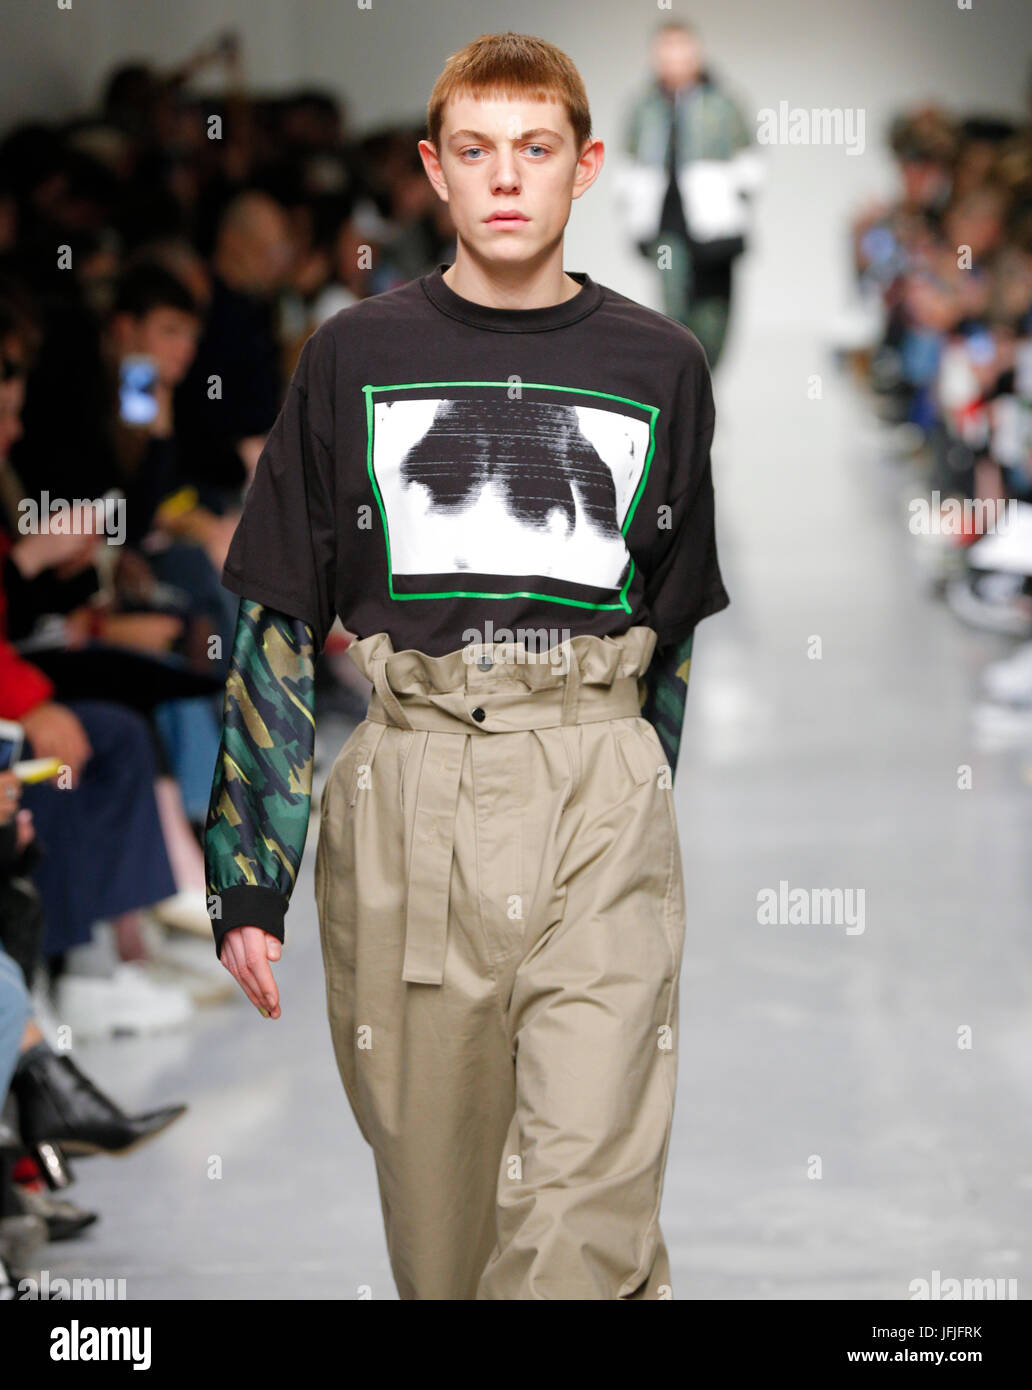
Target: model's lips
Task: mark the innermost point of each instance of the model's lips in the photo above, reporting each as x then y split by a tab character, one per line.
507	217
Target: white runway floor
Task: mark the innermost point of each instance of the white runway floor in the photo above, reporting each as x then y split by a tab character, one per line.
798	1042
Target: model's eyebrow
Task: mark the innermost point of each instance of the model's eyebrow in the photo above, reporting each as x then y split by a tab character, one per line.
486	139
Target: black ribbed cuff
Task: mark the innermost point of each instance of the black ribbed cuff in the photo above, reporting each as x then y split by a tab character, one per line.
247	905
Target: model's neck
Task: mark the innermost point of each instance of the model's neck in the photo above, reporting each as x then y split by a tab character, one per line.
524	286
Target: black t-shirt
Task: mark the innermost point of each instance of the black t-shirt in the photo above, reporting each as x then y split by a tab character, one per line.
450	472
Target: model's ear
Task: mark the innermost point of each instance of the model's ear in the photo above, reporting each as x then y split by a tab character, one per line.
589	165
432	164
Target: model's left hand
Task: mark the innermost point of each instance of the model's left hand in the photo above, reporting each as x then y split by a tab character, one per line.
246	952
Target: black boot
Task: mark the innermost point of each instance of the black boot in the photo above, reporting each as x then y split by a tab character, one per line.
51	1161
57	1104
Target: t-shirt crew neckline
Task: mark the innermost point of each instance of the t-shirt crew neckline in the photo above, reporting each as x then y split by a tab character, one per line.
440	293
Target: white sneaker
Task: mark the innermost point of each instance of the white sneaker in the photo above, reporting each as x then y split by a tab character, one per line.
992	601
186	910
188	962
1008	549
1010	679
129	1001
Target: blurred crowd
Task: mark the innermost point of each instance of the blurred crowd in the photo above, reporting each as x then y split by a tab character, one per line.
944	272
162	260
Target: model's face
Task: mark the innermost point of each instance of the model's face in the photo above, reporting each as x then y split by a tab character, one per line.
676	59
500	156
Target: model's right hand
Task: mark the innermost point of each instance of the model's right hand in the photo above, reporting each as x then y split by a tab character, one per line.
246	953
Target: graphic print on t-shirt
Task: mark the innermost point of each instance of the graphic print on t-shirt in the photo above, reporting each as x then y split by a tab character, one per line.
495	490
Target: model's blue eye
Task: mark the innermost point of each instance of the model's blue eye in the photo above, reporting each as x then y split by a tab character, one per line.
473	148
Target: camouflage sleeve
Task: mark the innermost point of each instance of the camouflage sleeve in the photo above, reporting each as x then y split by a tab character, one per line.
261	790
666	683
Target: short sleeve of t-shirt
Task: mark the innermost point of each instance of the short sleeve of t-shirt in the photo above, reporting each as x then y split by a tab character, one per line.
283	552
686	585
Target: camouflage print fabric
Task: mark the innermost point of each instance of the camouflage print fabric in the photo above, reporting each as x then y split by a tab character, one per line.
667	685
261	791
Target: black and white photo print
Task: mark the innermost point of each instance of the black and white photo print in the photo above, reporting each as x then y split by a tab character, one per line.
499	494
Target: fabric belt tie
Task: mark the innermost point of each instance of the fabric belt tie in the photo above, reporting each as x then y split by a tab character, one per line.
433	838
429	875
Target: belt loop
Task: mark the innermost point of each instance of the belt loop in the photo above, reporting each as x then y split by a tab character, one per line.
572	687
568	717
387	696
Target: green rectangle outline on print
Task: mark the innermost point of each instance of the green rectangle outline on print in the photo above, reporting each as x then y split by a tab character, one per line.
651	410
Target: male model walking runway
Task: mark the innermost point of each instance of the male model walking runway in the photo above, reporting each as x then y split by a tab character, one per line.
498	475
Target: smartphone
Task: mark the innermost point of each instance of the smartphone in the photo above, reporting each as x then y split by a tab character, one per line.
12	736
137	389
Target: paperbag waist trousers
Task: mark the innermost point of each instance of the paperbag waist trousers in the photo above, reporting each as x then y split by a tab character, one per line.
501	910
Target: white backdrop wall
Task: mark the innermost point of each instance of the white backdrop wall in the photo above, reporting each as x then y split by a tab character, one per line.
873	54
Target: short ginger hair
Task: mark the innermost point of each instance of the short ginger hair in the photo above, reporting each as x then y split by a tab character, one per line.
510	65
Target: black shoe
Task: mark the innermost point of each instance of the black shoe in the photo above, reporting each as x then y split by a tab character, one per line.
63	1218
57	1104
10	1140
51	1162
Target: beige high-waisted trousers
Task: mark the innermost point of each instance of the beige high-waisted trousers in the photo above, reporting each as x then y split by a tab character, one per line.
501	909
